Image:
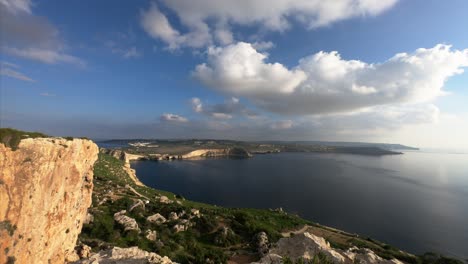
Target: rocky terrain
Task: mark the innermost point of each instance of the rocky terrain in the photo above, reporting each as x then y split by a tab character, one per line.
47	185
45	190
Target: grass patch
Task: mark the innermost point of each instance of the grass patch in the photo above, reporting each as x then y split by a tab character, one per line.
12	137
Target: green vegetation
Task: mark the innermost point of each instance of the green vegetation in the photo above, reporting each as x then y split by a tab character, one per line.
12	137
214	237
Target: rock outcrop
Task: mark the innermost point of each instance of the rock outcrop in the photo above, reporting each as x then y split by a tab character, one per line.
45	191
262	243
128	223
306	246
228	152
156	218
132	255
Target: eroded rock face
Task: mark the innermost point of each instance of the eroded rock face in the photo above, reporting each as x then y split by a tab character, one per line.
132	255
45	191
306	246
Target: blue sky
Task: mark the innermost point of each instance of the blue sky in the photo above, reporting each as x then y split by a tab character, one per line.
135	69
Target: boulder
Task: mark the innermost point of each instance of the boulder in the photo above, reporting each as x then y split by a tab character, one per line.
151	235
128	223
305	246
195	212
173	216
132	255
156	218
262	243
88	219
163	199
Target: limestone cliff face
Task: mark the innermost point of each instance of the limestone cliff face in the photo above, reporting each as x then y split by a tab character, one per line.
45	190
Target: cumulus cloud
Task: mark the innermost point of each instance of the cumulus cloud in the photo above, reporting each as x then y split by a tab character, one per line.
240	69
226	110
29	36
326	83
268	15
11	70
167	117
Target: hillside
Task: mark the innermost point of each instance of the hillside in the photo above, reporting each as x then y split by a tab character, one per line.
191	232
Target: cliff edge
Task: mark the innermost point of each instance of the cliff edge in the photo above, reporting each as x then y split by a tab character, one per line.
45	191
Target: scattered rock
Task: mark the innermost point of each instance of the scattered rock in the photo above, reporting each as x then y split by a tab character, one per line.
262	243
180	228
88	219
181	214
127	222
195	212
132	255
83	251
138	204
173	216
306	246
151	235
165	200
156	218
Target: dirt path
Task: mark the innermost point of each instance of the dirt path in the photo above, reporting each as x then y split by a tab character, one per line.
299	231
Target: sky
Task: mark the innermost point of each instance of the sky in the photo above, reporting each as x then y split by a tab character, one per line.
389	71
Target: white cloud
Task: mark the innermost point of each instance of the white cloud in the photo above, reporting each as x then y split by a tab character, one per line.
224	36
197	105
226	110
167	117
240	69
15	6
263	45
44	55
10	70
29	36
265	14
156	24
326	83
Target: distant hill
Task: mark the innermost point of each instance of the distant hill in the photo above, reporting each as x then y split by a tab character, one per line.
349	144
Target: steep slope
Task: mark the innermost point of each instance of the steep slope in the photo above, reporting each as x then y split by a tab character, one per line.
45	190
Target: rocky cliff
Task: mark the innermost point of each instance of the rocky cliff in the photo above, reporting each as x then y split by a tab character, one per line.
45	190
228	152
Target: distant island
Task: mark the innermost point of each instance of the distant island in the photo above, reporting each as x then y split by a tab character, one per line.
166	149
